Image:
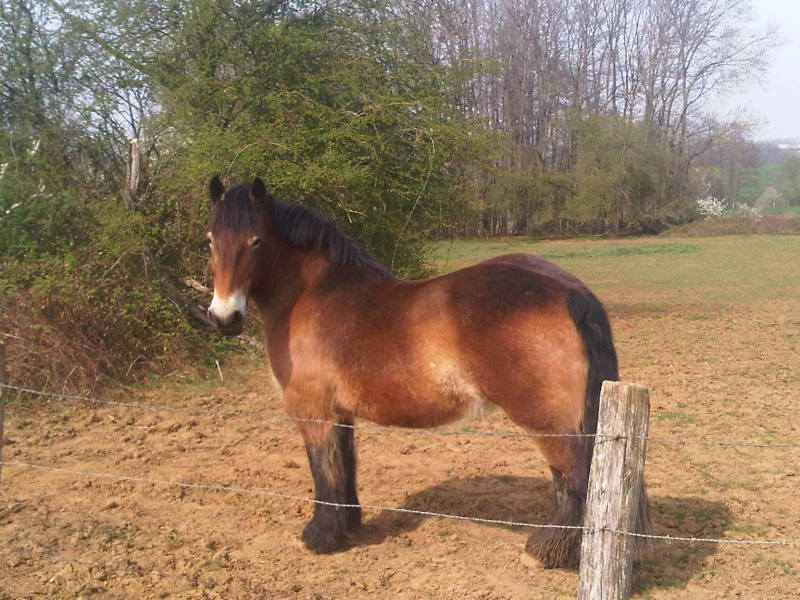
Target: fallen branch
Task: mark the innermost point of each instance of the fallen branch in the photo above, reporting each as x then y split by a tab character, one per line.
196	285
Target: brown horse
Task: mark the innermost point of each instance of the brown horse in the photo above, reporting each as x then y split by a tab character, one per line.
347	339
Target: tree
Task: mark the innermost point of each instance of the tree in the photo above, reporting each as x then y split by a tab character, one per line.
624	180
552	64
790	180
728	160
345	108
78	296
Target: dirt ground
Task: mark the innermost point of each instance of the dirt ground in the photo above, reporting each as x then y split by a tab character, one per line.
729	374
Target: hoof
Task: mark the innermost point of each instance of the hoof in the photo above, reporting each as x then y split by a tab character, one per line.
330	527
320	541
556	548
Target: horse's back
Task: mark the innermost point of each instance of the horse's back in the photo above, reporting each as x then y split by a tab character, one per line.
540	265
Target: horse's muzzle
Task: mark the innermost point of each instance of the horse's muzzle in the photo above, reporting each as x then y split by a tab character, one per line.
232	324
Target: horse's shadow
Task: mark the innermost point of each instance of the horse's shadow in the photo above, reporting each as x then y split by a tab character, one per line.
527	500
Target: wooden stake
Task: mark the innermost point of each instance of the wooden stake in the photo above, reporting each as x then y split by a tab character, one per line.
614	490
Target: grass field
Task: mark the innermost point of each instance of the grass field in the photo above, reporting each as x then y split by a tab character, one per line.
707	273
710	325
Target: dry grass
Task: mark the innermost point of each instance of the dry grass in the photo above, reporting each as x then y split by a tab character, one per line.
44	354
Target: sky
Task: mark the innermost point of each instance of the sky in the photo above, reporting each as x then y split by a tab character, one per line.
776	103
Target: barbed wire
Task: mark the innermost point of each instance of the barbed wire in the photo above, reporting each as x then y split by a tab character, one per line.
279	417
280	495
424	513
443	432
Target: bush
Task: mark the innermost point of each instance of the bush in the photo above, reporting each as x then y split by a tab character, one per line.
291	106
626	181
739	224
73	327
79	303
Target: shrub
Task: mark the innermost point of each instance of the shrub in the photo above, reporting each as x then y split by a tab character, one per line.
79	300
739	224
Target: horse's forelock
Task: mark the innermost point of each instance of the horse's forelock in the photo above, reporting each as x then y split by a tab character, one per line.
237	213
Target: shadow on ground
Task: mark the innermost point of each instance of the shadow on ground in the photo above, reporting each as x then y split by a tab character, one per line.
527	500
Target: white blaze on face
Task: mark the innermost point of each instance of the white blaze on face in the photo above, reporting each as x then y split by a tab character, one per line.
224	308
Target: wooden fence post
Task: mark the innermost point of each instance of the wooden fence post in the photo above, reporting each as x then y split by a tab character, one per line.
2	401
612	502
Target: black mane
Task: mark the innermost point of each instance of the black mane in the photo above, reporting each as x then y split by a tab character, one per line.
298	225
305	228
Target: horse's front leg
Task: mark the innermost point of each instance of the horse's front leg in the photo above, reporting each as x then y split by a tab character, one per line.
332	457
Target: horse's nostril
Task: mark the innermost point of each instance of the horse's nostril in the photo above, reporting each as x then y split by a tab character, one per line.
232	324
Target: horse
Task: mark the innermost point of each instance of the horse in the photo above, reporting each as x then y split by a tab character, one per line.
347	339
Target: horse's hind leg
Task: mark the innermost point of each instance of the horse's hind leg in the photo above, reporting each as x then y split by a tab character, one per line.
332	457
558	545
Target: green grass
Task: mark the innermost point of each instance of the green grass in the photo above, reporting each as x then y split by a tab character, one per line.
676	418
787	210
756	179
708	271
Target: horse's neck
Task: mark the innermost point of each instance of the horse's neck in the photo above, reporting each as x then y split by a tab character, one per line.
289	273
297	271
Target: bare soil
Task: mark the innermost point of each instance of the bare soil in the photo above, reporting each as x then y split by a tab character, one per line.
717	372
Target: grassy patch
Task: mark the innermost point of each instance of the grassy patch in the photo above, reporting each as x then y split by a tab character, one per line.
784	222
636	250
785	210
671	275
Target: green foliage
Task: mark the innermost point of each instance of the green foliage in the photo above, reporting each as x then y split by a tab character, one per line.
76	297
789	184
625	180
528	197
784	222
328	110
88	305
36	216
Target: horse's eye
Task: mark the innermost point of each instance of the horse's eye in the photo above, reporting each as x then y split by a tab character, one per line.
255	243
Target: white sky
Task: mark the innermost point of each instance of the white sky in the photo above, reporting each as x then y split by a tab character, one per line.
776	104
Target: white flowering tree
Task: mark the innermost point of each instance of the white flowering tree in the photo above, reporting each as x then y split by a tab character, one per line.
710	207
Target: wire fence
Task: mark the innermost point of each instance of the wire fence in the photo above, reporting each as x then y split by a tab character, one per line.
280	495
442	432
410	511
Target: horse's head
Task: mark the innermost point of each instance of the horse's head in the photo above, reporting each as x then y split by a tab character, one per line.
238	250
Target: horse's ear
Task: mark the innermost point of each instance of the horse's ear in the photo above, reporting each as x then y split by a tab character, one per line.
258	191
216	190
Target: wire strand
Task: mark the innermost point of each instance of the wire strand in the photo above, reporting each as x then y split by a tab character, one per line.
424	513
444	432
277	417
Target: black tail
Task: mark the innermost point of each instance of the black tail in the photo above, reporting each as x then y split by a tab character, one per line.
592	322
560	545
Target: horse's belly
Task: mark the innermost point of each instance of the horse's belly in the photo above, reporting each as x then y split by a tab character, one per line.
427	397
